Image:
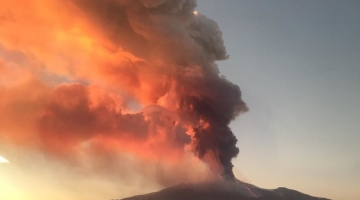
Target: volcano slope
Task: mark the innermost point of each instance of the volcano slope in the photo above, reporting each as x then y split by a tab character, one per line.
220	190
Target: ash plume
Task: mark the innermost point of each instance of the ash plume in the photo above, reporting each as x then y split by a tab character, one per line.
140	75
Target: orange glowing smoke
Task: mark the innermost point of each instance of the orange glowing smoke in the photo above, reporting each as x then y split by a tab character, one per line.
131	76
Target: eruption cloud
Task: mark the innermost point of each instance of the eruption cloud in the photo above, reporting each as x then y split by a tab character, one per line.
133	76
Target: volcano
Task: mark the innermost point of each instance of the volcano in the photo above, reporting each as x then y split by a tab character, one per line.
229	190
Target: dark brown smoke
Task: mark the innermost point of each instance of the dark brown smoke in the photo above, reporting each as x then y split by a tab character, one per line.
155	64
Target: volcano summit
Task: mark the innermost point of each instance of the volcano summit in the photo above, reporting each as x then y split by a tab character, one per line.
229	190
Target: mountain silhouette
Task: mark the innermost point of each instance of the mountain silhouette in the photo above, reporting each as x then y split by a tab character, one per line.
224	190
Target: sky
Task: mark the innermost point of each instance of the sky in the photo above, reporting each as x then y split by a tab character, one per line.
72	84
298	66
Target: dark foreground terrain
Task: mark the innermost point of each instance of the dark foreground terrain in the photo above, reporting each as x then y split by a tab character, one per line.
223	190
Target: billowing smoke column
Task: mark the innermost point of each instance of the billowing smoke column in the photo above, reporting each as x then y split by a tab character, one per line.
122	55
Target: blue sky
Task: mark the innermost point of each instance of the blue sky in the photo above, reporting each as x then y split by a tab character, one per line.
298	66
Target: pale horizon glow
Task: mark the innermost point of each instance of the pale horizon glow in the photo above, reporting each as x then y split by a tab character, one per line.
3	160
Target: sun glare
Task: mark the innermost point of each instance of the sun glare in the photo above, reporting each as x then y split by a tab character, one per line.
3	160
